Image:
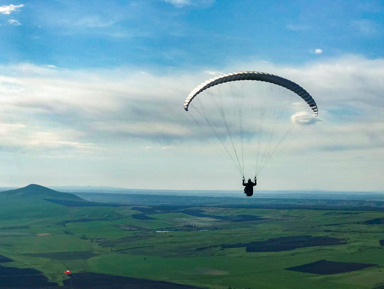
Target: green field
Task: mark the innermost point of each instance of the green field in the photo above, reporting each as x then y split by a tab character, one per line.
191	245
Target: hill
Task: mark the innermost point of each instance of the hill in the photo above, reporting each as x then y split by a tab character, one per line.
39	192
35	202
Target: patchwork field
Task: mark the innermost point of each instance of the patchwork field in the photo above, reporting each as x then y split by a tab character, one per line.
197	246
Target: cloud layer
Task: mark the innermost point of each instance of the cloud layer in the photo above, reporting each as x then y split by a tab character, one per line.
48	109
145	105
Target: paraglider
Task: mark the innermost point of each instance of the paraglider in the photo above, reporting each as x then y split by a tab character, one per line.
248	187
250	113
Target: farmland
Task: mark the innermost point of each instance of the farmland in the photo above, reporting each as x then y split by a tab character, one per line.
204	245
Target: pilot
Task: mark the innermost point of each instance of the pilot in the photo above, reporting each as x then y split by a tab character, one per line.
248	187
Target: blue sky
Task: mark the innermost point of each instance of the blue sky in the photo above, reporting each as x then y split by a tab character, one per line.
172	34
91	92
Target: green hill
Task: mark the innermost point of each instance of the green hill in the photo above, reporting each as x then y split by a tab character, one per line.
39	192
35	202
42	228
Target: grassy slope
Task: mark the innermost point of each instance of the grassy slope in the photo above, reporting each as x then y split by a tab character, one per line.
31	224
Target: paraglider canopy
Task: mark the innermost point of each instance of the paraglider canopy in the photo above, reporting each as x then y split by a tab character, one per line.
253	75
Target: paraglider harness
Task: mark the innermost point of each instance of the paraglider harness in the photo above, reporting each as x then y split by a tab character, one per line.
248	187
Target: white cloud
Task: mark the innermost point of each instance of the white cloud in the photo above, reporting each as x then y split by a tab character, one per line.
49	139
316	51
143	129
179	3
14	22
167	148
304	118
24	136
194	3
8	9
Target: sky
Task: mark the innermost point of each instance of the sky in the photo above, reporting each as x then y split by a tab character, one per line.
92	92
